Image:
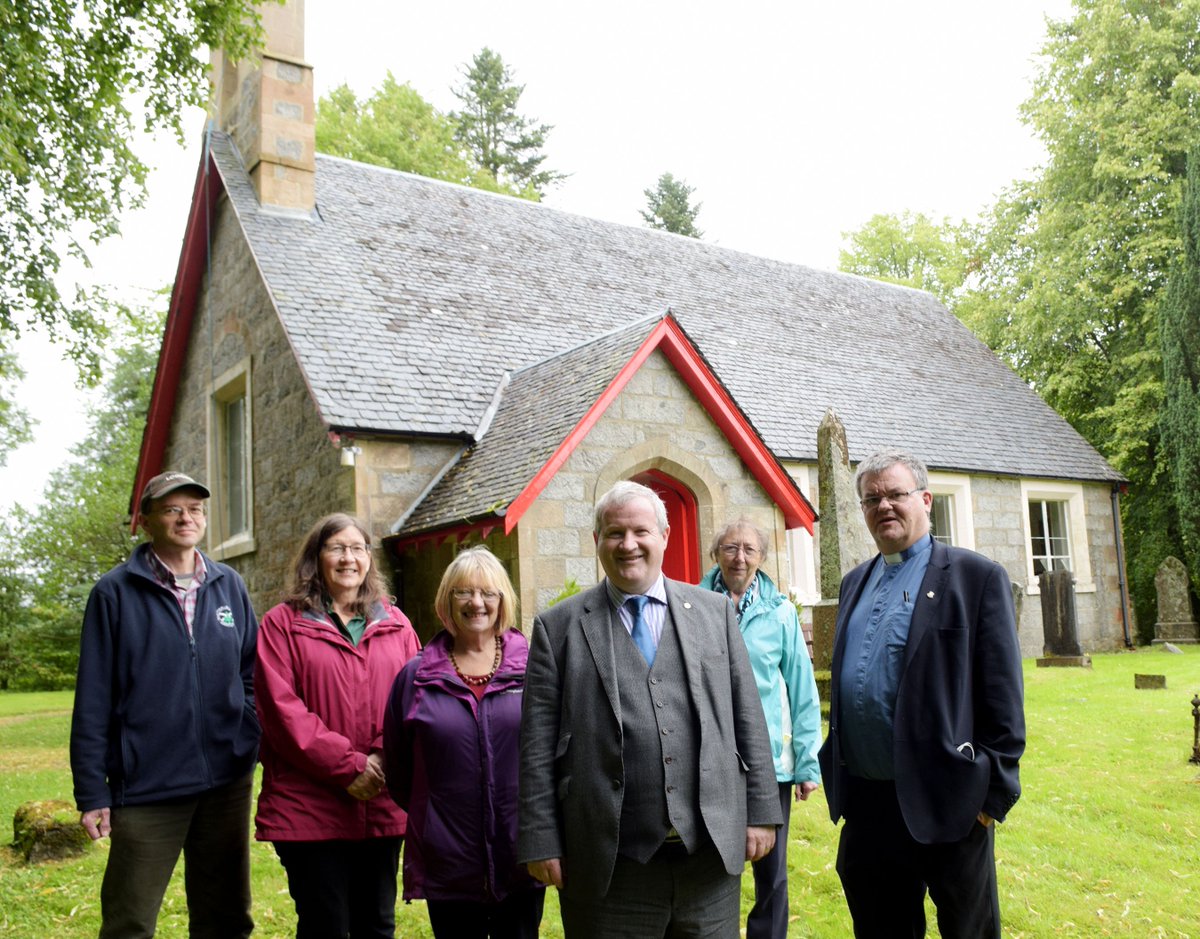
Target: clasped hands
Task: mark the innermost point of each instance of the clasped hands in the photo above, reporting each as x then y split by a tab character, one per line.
370	782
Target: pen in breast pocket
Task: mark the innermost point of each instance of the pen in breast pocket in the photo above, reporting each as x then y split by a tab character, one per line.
905	596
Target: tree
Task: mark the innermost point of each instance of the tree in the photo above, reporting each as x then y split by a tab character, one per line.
668	207
394	127
913	250
1072	263
503	143
14	419
1065	275
14	590
69	70
81	530
1179	331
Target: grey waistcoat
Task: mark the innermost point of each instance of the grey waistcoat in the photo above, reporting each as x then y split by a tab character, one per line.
659	746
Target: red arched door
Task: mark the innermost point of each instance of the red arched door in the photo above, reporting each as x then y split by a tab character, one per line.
682	558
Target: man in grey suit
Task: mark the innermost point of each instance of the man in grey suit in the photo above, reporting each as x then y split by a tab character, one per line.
646	773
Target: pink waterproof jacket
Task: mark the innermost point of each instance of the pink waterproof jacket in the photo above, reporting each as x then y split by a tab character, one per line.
320	701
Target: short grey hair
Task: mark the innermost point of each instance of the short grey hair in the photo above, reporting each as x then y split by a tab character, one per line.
623	493
719	538
885	459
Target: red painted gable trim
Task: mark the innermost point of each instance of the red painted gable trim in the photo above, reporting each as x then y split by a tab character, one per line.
675	345
482	527
188	277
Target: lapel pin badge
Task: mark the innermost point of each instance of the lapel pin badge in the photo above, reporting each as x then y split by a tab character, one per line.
687	606
930	594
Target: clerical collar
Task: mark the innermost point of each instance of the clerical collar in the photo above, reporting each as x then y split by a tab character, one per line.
921	544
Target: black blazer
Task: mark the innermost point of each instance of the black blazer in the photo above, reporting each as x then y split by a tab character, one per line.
959	728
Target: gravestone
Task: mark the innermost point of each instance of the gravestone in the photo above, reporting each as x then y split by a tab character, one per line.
1059	625
1175	621
843	538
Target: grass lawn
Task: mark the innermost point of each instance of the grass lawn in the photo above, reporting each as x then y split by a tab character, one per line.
1102	843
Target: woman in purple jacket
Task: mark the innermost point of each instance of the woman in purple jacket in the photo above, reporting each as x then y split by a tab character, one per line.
451	738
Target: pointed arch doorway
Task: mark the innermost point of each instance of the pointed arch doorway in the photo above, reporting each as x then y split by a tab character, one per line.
682	558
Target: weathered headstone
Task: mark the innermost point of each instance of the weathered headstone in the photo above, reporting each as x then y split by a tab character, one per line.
48	831
1175	620
846	543
1059	625
1149	682
843	537
1018	599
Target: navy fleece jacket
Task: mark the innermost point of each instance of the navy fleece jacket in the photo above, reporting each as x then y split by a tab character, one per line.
158	714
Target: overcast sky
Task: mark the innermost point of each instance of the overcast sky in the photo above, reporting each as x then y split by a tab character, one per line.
795	122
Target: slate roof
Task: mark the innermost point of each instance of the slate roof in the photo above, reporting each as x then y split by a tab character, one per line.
541	404
406	299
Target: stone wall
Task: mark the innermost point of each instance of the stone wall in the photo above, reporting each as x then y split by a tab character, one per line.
1102	628
999	511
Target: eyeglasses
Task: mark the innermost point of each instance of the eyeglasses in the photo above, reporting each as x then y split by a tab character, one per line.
340	550
173	512
462	594
894	498
731	551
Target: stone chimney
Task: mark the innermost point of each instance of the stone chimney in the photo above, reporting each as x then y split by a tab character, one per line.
266	105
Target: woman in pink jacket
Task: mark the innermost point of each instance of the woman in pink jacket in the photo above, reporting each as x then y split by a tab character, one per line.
327	656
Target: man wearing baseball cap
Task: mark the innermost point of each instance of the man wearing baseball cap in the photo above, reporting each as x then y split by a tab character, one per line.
164	735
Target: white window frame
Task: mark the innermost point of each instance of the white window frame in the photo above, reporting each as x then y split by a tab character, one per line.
231	385
1044	490
957	487
801	556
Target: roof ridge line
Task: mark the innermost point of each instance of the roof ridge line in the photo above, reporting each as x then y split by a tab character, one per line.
646	319
489	414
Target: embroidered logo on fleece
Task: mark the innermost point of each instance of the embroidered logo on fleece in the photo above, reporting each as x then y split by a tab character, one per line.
225	616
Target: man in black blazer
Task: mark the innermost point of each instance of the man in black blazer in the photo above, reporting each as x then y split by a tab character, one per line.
647	779
927	719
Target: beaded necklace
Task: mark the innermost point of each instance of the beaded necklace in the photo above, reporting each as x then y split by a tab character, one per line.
477	680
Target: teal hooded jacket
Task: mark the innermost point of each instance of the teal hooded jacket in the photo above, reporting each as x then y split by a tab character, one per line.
784	675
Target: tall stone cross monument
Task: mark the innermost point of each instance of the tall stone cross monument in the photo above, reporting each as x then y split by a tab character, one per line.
843	538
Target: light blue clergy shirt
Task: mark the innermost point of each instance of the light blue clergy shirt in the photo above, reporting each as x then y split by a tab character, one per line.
876	633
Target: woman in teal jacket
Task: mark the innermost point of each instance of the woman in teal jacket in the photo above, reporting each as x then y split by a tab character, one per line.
784	675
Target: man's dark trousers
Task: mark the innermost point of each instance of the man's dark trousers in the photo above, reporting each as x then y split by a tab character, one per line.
885	872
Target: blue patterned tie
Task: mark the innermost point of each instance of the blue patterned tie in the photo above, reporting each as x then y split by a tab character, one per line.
641	629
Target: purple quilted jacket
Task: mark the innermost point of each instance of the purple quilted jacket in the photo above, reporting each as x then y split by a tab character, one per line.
452	765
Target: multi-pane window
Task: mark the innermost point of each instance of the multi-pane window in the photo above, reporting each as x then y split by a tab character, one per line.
1049	535
230	472
941	519
234	470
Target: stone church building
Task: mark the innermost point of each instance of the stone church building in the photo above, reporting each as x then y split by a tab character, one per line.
456	367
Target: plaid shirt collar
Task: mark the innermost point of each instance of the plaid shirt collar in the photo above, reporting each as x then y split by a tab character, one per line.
166	576
185	594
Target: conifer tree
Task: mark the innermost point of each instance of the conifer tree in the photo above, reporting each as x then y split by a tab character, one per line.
669	208
1179	332
500	140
